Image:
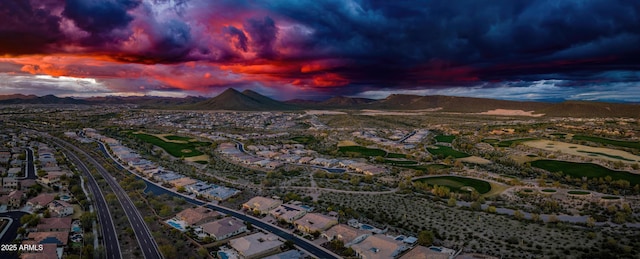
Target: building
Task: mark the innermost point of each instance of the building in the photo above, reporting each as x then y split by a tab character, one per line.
424	252
41	200
257	245
197	216
261	204
224	228
54	225
288	212
10	183
348	235
61	208
379	246
14	199
312	222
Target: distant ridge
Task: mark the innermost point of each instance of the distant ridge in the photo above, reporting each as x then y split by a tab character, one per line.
248	100
32	99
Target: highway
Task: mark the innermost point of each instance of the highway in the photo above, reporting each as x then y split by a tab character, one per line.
108	230
143	235
300	242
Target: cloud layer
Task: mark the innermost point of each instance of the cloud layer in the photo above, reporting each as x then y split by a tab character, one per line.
314	49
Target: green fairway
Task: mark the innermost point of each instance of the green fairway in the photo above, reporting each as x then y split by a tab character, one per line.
508	143
445	138
490	140
613	142
607	155
365	152
304	139
447	152
455	183
178	138
399	162
578	192
175	149
585	170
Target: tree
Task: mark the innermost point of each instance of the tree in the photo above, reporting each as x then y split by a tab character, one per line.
492	209
168	251
518	214
203	252
425	238
476	205
452	201
591	222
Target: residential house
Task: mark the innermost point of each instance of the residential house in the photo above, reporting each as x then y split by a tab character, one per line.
257	245
312	222
261	204
197	216
61	208
424	252
54	225
60	238
379	246
41	200
14	199
348	235
224	228
10	183
288	212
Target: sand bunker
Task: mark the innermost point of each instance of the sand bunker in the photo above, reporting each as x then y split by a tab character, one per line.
584	151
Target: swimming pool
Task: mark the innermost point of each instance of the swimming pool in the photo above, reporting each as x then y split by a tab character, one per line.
366	227
175	224
65	197
76	228
222	255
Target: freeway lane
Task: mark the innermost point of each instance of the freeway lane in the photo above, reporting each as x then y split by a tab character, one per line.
143	235
108	230
300	242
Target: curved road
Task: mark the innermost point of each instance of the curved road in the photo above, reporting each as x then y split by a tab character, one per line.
143	235
11	233
300	242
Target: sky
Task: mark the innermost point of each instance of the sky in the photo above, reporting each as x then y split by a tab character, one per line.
506	49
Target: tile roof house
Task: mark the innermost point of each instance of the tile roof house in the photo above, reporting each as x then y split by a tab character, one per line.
60	238
41	200
424	252
379	246
261	204
197	216
54	225
224	228
312	222
257	245
348	235
61	208
288	212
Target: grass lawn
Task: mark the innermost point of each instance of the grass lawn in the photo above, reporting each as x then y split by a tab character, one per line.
578	192
447	151
363	151
613	142
457	182
175	149
585	169
426	167
445	138
304	139
399	162
607	155
549	190
508	143
179	138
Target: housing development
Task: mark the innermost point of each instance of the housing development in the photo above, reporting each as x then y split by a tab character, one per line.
313	183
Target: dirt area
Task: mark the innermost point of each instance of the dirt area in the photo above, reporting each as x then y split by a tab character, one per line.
583	151
323	112
505	112
347	143
198	158
417	112
475	160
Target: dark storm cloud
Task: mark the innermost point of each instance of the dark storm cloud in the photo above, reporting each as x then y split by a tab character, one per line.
237	35
26	29
263	33
101	16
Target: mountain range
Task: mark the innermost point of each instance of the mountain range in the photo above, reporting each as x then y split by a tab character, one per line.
248	100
